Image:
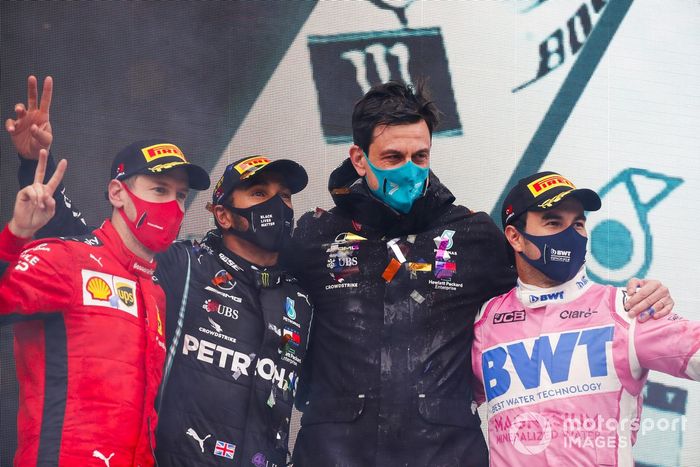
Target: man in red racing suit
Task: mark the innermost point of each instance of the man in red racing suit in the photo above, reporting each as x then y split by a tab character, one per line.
89	343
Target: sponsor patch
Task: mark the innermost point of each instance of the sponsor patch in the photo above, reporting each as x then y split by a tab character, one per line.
251	165
106	290
548	182
162	150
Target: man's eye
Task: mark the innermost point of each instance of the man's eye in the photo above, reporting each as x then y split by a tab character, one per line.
181	195
160	190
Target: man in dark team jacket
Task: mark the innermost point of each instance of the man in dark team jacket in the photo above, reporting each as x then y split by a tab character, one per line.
397	273
237	324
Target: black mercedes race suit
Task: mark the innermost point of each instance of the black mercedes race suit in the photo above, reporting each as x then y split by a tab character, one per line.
388	380
236	337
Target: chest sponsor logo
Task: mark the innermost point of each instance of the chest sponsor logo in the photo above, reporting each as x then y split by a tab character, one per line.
230	263
575	314
289	307
239	363
548	297
223	280
216	331
106	290
212	306
509	317
574	363
291	336
224	294
224	449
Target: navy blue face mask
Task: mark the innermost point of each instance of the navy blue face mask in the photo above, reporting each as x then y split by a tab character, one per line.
562	254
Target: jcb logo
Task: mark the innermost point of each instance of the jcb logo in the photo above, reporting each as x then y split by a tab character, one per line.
509	317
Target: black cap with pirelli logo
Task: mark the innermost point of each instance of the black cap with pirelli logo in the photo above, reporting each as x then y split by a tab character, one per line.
153	157
543	191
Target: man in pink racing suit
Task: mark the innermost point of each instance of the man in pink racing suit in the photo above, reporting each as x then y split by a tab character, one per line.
560	364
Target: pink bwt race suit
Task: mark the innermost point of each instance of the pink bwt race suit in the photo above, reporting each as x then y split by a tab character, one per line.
562	371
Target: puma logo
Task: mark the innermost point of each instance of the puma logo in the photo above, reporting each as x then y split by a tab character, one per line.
99	455
192	433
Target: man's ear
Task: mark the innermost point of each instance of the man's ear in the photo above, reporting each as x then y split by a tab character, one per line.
116	193
515	238
358	160
223	216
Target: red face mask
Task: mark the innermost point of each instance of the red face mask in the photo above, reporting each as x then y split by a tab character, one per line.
157	224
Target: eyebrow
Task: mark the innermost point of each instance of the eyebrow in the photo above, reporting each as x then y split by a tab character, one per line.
553	215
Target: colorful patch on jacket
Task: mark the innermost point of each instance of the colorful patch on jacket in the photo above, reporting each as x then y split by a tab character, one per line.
107	290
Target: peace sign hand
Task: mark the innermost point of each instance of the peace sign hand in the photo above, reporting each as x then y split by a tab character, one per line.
34	205
31	130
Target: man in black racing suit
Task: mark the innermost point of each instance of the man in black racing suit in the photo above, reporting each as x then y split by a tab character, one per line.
237	324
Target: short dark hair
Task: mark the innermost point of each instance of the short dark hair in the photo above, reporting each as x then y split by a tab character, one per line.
392	103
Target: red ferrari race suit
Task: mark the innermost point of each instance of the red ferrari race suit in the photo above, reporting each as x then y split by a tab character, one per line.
89	349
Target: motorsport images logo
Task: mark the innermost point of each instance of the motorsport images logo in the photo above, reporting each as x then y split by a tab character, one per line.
531	433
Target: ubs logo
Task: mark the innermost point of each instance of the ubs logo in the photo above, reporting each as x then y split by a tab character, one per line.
345	66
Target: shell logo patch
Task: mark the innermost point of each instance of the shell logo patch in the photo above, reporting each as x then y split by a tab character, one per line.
106	290
98	289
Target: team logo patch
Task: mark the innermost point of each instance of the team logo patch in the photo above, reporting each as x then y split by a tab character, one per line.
548	182
162	150
106	290
291	312
224	449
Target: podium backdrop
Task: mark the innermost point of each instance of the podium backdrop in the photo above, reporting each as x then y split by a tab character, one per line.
604	91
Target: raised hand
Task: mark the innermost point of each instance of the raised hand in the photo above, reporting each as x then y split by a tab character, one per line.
31	129
34	205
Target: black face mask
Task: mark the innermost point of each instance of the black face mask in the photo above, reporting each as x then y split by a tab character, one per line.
269	223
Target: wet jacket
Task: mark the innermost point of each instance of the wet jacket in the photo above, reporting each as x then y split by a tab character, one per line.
90	358
387	381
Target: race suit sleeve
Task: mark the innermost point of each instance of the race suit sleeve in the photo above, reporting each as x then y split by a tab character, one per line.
67	221
670	345
10	248
37	282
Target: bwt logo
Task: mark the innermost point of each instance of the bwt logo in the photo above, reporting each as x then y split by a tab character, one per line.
509	317
528	368
547	297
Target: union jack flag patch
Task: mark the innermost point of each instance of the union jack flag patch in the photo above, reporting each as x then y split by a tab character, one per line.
224	449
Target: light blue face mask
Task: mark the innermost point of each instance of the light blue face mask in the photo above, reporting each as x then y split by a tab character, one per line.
401	186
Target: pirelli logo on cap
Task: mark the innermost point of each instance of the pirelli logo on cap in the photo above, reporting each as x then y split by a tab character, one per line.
251	165
162	150
548	182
